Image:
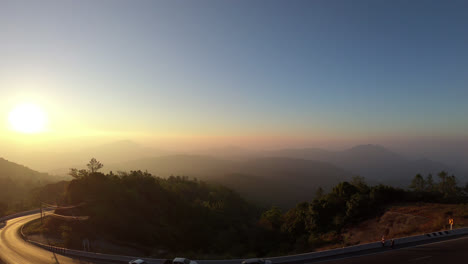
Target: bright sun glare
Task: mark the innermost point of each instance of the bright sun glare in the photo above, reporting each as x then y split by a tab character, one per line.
28	119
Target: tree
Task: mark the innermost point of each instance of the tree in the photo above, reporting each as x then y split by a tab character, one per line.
429	183
466	189
344	190
94	165
447	185
319	193
357	206
418	184
322	213
78	174
443	178
272	219
360	183
451	186
296	220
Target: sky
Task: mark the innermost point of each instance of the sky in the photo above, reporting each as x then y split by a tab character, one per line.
246	73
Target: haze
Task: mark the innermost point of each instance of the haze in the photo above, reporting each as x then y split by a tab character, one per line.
262	76
251	132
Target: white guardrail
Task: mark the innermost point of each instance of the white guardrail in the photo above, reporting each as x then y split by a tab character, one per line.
276	260
8	217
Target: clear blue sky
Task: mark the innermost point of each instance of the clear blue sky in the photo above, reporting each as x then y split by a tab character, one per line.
293	69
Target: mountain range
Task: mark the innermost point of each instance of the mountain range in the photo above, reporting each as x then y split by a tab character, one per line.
16	181
281	177
375	163
288	176
274	180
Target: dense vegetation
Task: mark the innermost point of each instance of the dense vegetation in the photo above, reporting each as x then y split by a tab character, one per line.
321	221
18	186
266	181
174	214
185	216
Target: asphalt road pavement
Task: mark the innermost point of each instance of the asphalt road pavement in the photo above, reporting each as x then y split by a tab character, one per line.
442	252
14	250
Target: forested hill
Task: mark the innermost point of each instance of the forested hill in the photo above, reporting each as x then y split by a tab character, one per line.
269	181
21	173
16	182
175	214
179	216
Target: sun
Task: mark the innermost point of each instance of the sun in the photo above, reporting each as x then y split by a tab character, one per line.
27	118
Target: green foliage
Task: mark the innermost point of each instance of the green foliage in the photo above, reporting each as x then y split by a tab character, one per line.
296	220
360	183
447	185
344	190
429	183
446	190
182	215
357	206
418	184
319	193
177	214
272	219
78	174
16	183
50	193
349	203
94	165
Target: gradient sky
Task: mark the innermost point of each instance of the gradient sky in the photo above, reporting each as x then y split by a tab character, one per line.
239	72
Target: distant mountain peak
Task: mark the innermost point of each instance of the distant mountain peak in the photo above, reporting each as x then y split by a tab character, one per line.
369	147
373	152
16	170
123	143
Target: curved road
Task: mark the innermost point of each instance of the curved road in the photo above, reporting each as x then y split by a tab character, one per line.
14	250
451	250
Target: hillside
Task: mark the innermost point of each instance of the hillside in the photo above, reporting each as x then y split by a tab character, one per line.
221	220
16	182
174	214
406	220
20	172
270	181
376	163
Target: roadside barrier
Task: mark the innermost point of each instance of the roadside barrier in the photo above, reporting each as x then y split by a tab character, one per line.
9	217
348	250
25	213
89	255
276	260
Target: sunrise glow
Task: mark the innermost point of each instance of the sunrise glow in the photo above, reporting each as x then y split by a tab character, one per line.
27	118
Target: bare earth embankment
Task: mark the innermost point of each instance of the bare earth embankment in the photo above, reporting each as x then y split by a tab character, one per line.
407	220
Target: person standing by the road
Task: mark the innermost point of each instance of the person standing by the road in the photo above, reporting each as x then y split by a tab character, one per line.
392	244
383	241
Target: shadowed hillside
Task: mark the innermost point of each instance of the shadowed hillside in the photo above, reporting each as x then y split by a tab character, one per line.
17	181
270	181
375	163
176	215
